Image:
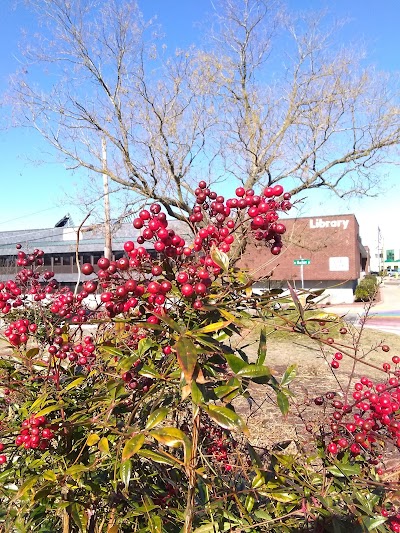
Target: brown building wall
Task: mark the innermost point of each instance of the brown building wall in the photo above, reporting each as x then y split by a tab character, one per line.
331	243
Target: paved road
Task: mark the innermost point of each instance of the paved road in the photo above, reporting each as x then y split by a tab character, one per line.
384	315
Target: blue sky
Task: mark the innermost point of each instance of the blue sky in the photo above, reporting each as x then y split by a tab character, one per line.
34	195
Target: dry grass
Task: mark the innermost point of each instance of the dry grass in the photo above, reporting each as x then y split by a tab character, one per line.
314	375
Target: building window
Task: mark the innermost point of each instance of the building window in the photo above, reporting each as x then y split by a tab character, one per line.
85	258
47	260
67	260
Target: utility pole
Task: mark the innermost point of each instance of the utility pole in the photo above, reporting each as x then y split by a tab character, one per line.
107	223
380	252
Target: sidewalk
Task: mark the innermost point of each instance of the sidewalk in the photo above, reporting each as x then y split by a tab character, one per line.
384	314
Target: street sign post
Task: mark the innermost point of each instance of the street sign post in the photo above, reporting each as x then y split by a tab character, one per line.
301	262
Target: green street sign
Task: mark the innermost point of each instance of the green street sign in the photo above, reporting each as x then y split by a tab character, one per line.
301	261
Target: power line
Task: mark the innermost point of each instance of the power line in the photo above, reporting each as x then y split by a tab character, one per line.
28	215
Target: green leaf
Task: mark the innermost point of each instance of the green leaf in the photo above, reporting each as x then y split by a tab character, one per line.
225	417
314	294
132	446
75	383
282	496
263	514
76	469
197	395
149	372
249	503
262	347
254	371
144	345
49	409
226	392
155	524
220	258
343	470
235	362
39	402
26	486
187	357
31	353
211	328
103	445
289	375
296	301
112	350
92	439
157	457
211	527
283	402
373	523
49	475
258	480
79	516
156	417
125	472
171	323
173	437
126	362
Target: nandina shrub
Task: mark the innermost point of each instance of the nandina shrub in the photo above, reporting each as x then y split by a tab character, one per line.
122	417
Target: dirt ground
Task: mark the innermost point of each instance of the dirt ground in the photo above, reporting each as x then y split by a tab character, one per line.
314	377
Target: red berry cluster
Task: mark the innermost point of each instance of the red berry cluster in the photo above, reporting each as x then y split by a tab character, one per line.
134	381
80	353
10	296
394	520
154	228
133	335
3	458
261	209
34	434
18	332
371	416
33	259
219	445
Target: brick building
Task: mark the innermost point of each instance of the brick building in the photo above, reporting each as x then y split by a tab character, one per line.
330	247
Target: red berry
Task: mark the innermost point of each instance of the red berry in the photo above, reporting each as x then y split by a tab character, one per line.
332	448
182	277
87	269
200	288
187	290
278	190
103	263
269	192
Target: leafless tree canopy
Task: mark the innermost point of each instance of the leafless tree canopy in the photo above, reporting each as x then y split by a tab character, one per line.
268	98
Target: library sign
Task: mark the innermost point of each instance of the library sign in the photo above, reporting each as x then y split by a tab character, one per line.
320	223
